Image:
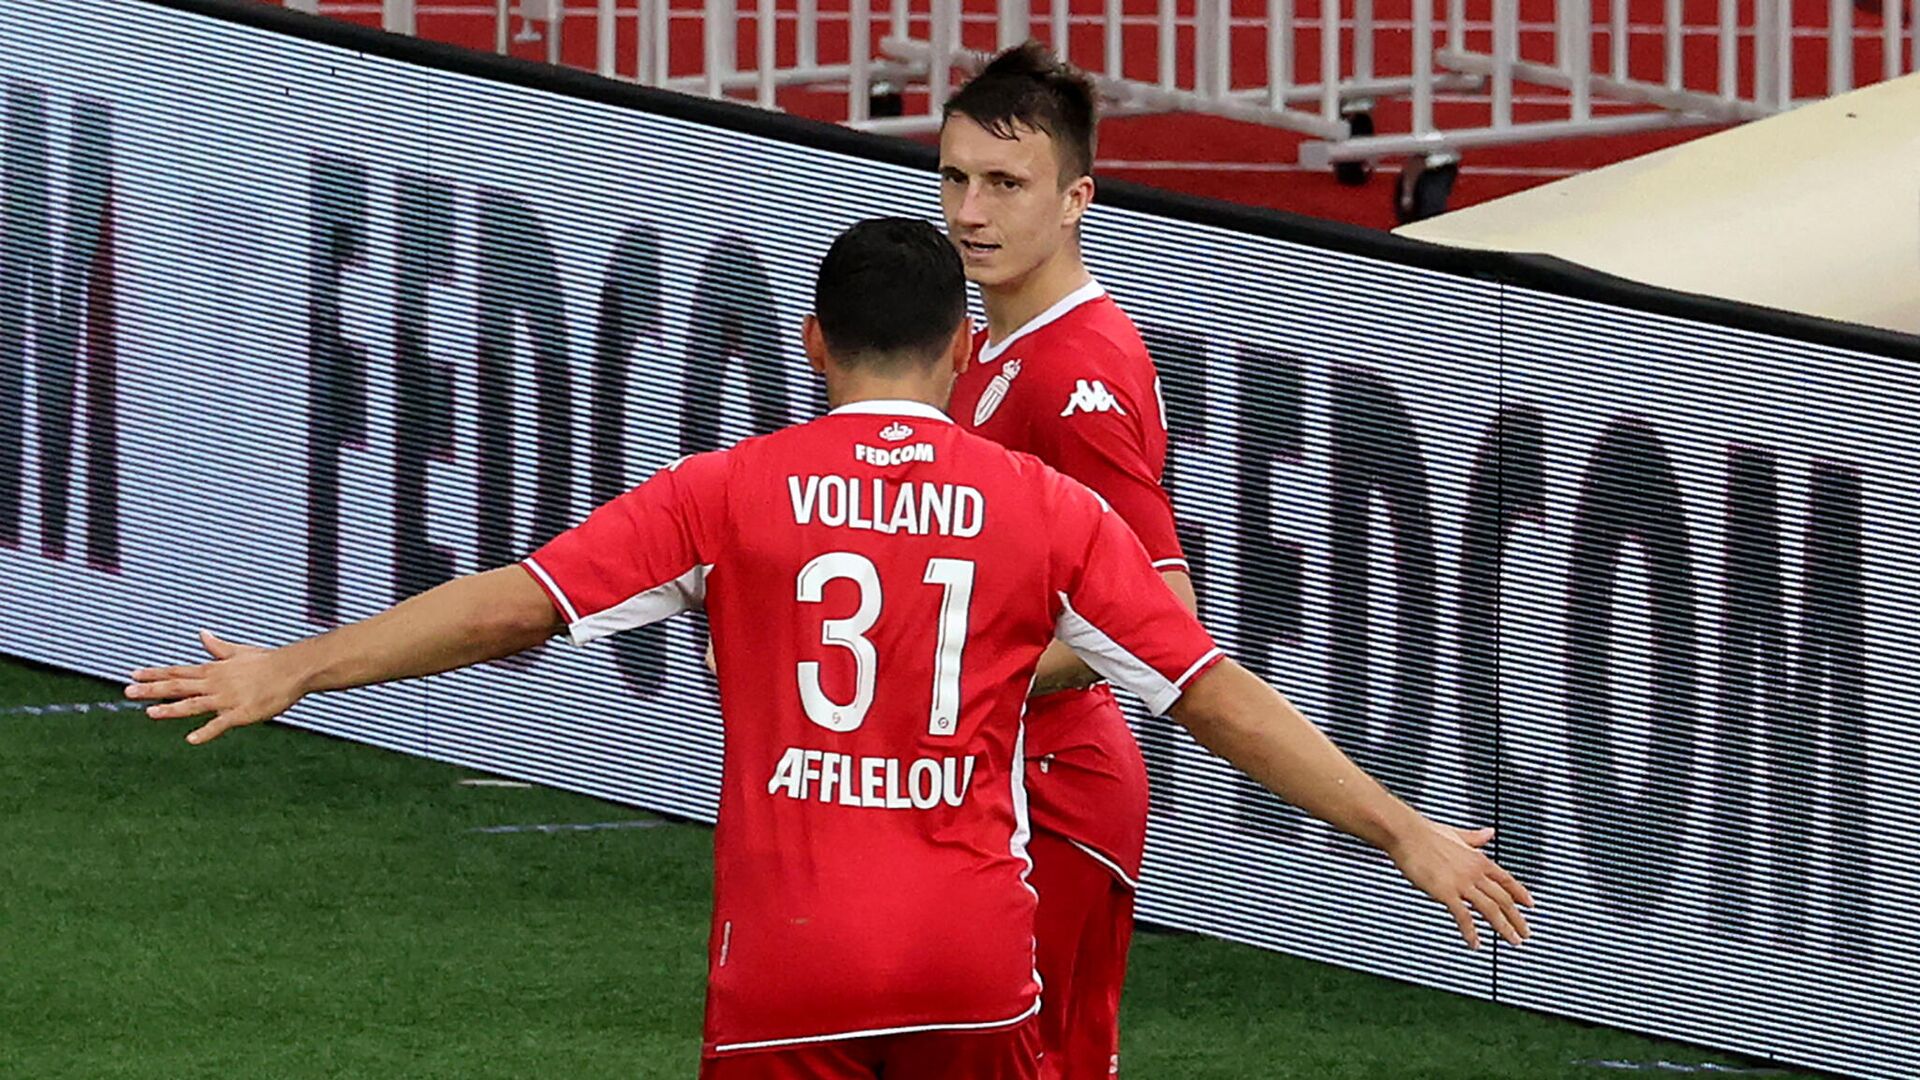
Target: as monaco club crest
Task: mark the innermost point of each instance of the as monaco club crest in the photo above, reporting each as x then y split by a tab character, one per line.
995	393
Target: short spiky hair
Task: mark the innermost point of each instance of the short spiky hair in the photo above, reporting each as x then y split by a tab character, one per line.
1026	86
890	290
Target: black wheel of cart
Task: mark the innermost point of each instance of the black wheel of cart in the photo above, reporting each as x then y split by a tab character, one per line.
1426	183
885	100
1356	173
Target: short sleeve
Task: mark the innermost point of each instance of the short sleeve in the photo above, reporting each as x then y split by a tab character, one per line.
1117	613
640	557
1084	430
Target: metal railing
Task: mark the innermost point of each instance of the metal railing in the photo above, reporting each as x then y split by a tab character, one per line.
1317	71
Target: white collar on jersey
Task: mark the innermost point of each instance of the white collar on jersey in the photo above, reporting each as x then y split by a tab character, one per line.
891	407
1092	290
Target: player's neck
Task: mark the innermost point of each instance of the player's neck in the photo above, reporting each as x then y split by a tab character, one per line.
1014	304
846	388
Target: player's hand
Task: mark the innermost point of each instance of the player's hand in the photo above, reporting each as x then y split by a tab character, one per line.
244	684
1446	864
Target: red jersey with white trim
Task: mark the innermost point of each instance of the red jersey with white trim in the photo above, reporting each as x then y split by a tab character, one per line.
1076	388
880	585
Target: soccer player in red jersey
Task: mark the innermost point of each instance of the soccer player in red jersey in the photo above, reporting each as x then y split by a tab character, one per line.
880	586
1061	373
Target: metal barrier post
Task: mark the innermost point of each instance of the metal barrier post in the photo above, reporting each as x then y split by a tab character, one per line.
717	35
1169	69
397	16
1783	43
1280	52
1330	60
1014	24
1840	44
1676	40
807	47
1617	37
1212	59
606	40
1579	54
940	74
1890	40
766	28
1115	35
859	52
1363	40
1422	66
1730	50
1506	44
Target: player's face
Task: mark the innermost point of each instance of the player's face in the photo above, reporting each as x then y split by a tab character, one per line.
1005	208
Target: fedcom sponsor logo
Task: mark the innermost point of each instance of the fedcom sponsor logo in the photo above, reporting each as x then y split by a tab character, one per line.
877	783
58	331
892	455
551	398
1756	567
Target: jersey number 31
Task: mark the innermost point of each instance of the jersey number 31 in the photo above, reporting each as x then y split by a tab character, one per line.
955	578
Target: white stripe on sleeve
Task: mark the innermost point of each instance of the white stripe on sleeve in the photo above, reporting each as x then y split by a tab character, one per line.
1111	659
1186	678
688	592
566	605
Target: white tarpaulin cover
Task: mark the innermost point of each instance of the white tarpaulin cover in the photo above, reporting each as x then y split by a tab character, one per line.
1815	211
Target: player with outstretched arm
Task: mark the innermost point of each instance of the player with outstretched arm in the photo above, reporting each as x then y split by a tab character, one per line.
881	586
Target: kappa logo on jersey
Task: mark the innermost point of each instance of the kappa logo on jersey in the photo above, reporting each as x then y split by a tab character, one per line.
892	455
995	393
896	431
1092	396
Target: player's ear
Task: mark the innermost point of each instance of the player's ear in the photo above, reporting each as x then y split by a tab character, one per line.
816	344
1077	197
961	349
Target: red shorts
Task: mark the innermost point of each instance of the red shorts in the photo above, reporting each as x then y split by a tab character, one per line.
1007	1054
1082	932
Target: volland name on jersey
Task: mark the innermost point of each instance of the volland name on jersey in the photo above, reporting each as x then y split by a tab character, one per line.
908	507
879	783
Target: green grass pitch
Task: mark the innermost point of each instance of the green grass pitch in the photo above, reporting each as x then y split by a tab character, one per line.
285	905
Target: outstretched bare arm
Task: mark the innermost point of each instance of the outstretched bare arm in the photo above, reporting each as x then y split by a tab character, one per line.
1239	717
465	621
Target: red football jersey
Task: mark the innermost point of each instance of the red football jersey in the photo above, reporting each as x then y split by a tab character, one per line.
880	586
1076	388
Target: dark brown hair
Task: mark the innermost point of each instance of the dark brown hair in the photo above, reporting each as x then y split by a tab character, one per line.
1026	86
889	290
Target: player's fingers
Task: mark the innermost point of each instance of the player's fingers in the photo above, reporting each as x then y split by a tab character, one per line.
1512	885
211	730
1498	915
221	649
1463	919
1475	838
182	671
166	688
180	710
